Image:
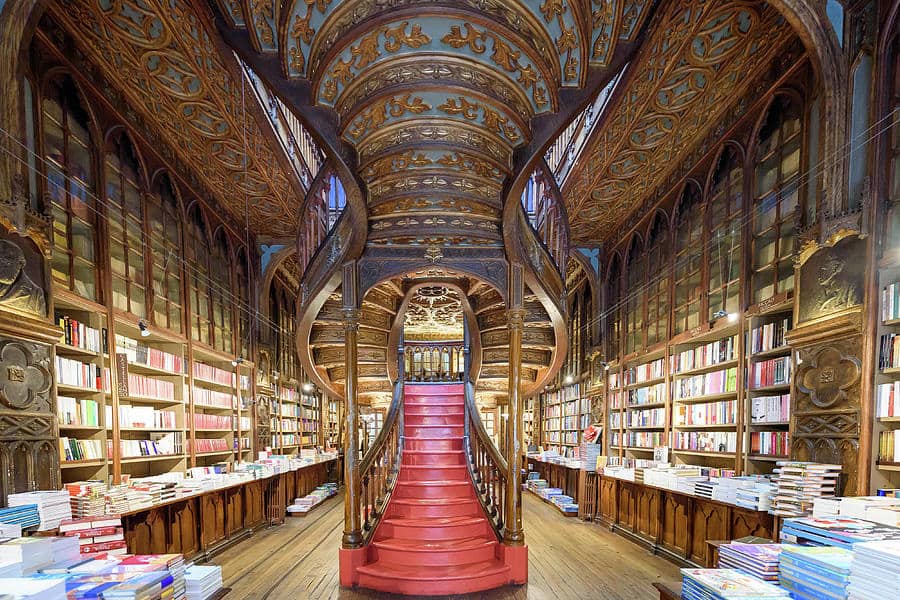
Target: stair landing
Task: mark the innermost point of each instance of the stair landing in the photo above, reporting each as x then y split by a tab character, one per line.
434	539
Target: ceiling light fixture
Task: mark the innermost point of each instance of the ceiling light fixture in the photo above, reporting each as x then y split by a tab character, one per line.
569	379
237	361
145	329
308	387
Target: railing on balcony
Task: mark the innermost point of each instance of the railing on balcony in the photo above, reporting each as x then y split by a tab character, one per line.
324	206
296	141
546	216
379	468
563	153
434	361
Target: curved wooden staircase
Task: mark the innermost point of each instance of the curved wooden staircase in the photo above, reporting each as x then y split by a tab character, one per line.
434	537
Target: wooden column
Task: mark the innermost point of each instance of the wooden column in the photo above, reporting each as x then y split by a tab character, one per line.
352	525
512	529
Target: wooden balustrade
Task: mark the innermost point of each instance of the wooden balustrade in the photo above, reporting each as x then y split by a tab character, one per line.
379	469
487	468
435	362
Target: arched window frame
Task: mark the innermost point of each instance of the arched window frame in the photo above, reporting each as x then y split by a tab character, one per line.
197	247
634	303
125	183
688	256
69	183
777	165
164	236
243	319
724	218
658	251
220	294
612	312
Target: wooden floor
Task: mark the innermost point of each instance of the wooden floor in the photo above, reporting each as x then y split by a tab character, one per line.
568	559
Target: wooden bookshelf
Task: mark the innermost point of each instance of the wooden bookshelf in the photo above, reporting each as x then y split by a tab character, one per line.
886	472
565	413
615	410
645	390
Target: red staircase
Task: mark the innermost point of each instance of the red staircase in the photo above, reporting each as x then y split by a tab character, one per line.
434	538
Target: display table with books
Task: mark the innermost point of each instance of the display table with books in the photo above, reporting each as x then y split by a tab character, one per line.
560	473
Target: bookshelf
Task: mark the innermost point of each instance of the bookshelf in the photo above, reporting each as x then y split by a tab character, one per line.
706	423
332	421
80	360
615	411
644	398
769	364
565	413
528	420
886	426
311	418
286	418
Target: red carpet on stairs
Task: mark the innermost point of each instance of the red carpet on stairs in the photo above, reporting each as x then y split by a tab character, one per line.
434	538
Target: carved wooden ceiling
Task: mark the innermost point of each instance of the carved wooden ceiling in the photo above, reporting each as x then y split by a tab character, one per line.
435	313
436	96
699	56
160	54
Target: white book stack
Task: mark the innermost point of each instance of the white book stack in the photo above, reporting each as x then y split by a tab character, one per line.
53	506
826	507
202	582
36	589
858	507
32	552
875	571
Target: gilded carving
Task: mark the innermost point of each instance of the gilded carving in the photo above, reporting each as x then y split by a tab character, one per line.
17	290
832	277
828	378
24	377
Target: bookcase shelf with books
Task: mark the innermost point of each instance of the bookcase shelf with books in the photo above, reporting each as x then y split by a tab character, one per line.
706	420
886	427
528	421
81	357
214	407
565	413
767	411
310	418
615	411
332	422
645	390
286	418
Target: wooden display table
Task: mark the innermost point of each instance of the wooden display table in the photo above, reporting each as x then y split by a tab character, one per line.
558	476
668	591
675	525
207	522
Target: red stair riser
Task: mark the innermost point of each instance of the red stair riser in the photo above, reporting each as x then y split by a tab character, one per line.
409	489
434	587
419	511
434	558
455	420
445	431
448	458
411	389
435	473
425	533
433	409
443	444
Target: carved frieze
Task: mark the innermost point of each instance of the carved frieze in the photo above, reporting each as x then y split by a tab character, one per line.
832	276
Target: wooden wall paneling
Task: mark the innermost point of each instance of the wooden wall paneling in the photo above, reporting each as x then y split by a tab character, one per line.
676	523
234	510
212	518
626	500
608	499
253	499
647	507
183	527
745	522
709	521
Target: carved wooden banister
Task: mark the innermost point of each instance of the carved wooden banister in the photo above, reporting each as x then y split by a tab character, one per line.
379	469
487	467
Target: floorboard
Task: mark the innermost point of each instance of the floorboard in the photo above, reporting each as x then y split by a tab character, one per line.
568	559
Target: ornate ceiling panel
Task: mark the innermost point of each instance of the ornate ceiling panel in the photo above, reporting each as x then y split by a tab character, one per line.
434	313
699	55
160	55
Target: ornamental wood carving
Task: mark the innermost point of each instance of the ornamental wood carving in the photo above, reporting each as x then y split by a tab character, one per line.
162	58
698	56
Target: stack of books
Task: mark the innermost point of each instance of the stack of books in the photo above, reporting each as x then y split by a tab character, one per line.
875	571
87	498
841	532
799	484
815	572
36	589
24	516
98	535
202	582
755	495
722	584
757	560
53	506
32	553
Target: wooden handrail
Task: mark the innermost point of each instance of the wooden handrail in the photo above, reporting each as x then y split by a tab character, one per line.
486	466
379	468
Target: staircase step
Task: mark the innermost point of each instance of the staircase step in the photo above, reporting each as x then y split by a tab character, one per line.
434	581
436	553
433	431
431	401
441	389
434	409
434	489
432	443
429	529
434	473
456	420
431	452
433	507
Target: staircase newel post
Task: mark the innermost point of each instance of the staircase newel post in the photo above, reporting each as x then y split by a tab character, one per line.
512	524
352	537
